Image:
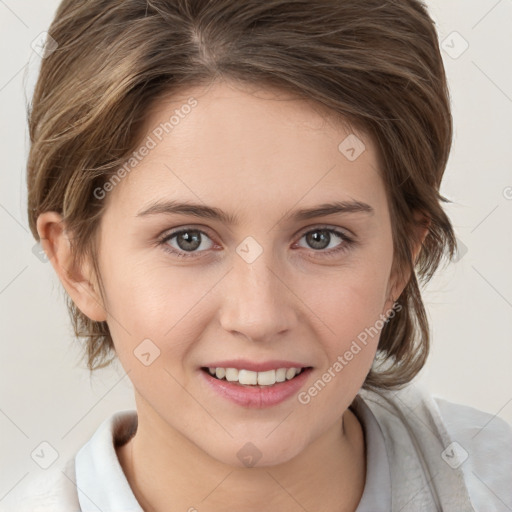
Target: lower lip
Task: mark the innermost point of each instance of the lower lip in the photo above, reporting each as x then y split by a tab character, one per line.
257	396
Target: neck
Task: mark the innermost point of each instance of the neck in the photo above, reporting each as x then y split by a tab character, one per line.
328	475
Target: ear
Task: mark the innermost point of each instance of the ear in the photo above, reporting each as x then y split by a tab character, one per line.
76	281
421	228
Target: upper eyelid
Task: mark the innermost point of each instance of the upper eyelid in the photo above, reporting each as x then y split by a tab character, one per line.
166	235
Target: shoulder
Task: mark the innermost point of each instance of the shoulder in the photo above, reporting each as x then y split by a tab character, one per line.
482	446
473	424
451	436
55	489
415	403
52	490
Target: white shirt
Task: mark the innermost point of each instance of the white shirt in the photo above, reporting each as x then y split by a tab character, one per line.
423	454
97	463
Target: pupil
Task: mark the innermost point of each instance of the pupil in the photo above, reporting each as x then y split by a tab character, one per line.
194	240
316	240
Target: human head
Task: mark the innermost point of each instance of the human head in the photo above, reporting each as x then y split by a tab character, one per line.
374	65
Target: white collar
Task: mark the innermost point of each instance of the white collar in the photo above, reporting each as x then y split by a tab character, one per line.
102	484
100	480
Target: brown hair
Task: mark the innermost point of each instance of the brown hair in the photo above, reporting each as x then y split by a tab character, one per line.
374	63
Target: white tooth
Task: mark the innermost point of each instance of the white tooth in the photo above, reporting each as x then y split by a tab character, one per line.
220	373
211	369
247	377
290	373
267	378
281	375
231	374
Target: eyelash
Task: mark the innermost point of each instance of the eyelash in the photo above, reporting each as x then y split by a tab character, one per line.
343	247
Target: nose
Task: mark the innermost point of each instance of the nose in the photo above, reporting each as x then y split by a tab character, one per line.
256	300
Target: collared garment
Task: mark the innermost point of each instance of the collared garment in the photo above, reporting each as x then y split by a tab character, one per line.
423	454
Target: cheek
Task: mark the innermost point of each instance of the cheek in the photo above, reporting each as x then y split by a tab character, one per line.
351	341
157	302
349	301
350	304
349	331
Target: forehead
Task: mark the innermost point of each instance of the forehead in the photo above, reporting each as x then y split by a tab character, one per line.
252	146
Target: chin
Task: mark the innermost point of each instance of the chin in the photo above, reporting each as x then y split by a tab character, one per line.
259	453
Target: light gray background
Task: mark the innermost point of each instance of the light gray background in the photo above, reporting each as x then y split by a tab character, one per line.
47	396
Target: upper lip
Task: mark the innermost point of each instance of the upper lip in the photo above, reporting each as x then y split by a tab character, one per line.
243	364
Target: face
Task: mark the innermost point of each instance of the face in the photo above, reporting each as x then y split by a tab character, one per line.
257	288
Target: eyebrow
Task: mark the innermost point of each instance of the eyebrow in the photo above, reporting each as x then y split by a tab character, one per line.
210	212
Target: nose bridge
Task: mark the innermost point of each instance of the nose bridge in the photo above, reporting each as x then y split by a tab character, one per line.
256	303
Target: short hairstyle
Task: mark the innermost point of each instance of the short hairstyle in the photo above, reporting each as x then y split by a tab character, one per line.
374	64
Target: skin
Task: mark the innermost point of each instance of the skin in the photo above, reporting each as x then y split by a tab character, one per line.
246	151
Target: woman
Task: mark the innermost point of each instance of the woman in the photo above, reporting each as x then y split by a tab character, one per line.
240	200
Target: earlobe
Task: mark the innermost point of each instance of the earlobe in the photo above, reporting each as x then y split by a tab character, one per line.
399	284
422	229
76	281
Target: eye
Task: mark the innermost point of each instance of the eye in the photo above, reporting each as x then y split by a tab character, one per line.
322	238
188	242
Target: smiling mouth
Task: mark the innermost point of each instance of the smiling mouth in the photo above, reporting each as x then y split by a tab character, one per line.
251	378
